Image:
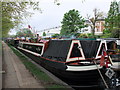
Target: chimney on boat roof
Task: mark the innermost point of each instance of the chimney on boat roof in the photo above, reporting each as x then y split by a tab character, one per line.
37	35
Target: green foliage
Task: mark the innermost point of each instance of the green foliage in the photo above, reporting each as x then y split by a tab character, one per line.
24	33
107	35
83	36
72	23
115	33
112	24
44	34
14	12
90	35
55	35
7	24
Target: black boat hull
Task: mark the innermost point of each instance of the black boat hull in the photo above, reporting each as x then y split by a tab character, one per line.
77	78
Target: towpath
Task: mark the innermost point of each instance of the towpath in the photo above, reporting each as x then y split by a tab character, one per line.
16	75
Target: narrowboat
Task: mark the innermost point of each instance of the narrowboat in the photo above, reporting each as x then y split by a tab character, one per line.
76	62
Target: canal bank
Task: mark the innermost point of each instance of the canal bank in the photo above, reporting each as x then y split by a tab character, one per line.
15	73
45	81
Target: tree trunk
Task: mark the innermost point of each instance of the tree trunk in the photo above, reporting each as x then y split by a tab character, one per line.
93	31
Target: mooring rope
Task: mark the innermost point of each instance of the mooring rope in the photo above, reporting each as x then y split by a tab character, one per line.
101	75
98	69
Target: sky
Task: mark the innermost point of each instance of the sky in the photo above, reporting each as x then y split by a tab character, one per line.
52	14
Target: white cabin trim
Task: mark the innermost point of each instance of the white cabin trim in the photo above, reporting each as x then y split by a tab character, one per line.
100	46
39	44
70	50
82	68
29	51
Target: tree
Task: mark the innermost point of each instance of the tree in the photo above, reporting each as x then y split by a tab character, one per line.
97	15
112	24
72	23
25	32
14	12
7	24
44	34
83	36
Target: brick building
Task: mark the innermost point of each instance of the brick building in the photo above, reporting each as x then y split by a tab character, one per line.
99	26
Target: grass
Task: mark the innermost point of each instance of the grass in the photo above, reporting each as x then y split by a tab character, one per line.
40	75
55	86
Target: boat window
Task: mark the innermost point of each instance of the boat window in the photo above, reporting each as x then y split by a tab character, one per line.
33	48
75	51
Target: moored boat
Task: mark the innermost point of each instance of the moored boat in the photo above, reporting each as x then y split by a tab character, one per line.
74	61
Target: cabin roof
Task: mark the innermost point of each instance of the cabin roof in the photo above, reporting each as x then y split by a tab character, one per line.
58	48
